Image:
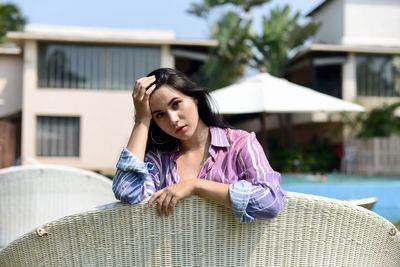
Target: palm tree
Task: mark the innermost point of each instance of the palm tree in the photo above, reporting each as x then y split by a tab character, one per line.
230	57
228	60
280	34
238	45
11	19
204	8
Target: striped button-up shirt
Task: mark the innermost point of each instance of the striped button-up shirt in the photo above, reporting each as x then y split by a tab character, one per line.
236	158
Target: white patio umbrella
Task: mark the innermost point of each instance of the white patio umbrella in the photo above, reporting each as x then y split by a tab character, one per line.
265	93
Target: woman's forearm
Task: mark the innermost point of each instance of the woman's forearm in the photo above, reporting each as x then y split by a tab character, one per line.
215	191
138	139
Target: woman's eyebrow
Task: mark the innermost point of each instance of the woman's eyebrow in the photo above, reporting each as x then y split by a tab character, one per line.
169	104
172	100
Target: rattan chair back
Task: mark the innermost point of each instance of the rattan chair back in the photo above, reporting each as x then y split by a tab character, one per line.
311	231
33	195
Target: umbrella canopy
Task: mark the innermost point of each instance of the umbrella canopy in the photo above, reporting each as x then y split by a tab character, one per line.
266	93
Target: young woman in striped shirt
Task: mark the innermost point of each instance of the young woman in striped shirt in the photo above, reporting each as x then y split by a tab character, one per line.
179	147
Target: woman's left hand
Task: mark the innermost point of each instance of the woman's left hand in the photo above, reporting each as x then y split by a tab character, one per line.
167	198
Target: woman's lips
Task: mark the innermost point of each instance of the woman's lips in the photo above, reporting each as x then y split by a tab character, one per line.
180	129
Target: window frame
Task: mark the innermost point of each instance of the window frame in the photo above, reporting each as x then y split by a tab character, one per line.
88	66
51	148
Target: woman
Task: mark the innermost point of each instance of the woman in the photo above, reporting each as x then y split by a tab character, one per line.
178	148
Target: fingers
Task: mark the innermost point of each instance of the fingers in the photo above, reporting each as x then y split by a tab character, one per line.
142	85
168	197
154	198
161	204
150	90
165	202
141	94
171	205
166	205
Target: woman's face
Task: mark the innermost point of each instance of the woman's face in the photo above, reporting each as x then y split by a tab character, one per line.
174	112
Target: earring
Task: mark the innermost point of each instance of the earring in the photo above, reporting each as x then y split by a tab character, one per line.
158	140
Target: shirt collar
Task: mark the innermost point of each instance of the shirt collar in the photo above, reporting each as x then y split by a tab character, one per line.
218	137
218	140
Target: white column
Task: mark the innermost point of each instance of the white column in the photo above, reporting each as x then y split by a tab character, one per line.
167	59
349	81
30	84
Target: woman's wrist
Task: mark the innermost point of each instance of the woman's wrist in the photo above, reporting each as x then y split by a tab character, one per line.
216	191
196	186
142	120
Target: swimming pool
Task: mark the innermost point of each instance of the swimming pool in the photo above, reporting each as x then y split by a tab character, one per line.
345	187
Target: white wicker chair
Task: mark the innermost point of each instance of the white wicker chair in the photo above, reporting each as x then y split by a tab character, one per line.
33	195
311	231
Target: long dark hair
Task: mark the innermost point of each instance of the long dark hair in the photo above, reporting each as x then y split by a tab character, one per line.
157	138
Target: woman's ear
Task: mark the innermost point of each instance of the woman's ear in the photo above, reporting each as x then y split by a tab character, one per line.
195	101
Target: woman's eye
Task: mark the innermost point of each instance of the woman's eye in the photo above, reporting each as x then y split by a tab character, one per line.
175	104
159	115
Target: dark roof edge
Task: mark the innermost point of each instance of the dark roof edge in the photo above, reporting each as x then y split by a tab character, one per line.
317	8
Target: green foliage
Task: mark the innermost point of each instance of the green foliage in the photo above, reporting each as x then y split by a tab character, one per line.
352	121
239	46
397	224
204	8
232	30
11	19
281	32
313	157
230	56
381	122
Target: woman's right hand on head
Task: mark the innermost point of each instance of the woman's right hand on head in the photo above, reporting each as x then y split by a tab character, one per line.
141	94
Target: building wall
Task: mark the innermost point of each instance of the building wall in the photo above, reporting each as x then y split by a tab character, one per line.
106	117
359	22
331	19
375	102
371	22
10	84
301	73
355	23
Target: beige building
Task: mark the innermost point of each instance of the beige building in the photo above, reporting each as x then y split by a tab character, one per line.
10	103
355	55
70	89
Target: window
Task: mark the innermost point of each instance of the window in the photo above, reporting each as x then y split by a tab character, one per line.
58	136
378	75
93	66
328	80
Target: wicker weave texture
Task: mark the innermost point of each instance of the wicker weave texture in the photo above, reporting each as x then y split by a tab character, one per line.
33	195
311	231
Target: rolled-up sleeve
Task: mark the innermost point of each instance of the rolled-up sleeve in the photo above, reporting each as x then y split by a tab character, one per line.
258	194
239	193
134	179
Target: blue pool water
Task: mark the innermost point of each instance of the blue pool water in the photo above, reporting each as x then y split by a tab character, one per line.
386	189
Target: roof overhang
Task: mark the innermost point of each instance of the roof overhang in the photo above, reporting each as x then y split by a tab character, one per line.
10	49
317	8
104	35
346	49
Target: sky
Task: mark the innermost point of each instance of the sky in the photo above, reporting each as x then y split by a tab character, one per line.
135	14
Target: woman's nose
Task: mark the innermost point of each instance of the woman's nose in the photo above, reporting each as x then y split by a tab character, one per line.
173	118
